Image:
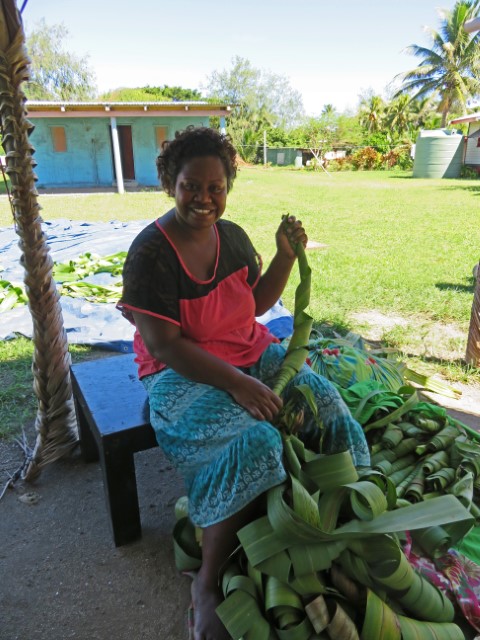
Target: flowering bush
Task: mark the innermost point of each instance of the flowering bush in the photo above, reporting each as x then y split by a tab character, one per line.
366	158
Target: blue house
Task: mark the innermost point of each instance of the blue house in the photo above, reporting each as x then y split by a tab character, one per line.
100	144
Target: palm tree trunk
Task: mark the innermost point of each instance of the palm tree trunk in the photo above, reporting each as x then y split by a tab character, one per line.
55	423
473	343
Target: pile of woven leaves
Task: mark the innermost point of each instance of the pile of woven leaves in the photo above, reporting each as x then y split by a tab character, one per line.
327	560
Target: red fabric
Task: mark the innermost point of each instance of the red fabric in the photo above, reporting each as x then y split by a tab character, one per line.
456	575
223	323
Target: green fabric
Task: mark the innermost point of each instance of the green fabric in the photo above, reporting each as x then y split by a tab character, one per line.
470	545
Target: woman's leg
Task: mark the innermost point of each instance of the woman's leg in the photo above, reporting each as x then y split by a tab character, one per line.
340	431
218	542
228	460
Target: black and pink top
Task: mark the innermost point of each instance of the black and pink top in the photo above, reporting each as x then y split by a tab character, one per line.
217	314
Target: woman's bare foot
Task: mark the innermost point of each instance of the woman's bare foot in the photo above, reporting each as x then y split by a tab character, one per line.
206	598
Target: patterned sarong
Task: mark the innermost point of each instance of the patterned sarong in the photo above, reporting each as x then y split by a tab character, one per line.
228	458
455	574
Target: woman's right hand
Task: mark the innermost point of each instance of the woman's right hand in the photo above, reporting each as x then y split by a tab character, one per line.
165	342
254	396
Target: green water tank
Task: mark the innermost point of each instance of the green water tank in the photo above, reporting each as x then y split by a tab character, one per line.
438	154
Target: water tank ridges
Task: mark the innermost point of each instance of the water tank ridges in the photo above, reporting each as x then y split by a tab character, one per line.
438	154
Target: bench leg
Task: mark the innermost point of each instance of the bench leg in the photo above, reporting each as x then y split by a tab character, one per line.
88	446
120	486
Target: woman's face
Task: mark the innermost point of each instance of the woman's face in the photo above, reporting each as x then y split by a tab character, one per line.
201	192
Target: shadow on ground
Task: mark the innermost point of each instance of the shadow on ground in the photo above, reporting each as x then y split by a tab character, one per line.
62	576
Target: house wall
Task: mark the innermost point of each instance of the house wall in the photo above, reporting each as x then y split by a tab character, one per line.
87	161
472	154
280	155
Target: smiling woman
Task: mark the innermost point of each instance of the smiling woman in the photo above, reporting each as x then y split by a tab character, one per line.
193	287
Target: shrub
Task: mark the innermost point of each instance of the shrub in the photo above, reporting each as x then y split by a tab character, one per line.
378	141
366	158
469	173
314	165
340	164
398	157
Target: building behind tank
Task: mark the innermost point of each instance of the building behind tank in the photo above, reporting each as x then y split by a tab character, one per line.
472	140
439	153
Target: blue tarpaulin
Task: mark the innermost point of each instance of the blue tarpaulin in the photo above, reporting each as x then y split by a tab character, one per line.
98	324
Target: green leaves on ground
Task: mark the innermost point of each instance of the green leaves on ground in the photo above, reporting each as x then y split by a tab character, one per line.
72	276
88	264
71	279
11	295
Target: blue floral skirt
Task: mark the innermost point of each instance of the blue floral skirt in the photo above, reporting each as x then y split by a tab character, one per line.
228	458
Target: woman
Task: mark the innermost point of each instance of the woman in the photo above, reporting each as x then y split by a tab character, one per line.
193	286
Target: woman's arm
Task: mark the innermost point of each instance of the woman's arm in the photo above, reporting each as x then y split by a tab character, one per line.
165	342
272	283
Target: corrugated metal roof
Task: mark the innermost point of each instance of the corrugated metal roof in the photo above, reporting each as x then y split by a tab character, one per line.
67	103
65	109
471	117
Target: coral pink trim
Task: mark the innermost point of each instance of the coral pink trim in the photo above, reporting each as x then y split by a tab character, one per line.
128	307
184	266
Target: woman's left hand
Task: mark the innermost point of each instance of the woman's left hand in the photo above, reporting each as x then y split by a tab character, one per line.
289	234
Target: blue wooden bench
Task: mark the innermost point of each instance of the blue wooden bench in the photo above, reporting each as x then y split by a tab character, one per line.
113	419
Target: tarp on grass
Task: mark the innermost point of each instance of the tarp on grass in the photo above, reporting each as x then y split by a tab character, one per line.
86	322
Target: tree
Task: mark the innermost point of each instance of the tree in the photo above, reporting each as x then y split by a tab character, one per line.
450	69
55	421
372	112
177	93
399	117
424	113
320	134
259	100
328	110
151	94
54	73
349	131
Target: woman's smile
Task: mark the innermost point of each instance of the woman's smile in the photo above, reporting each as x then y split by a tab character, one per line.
202	212
201	191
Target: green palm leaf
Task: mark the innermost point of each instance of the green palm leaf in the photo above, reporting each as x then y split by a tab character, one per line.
297	350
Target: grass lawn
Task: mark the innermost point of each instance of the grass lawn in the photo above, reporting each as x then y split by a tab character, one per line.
395	246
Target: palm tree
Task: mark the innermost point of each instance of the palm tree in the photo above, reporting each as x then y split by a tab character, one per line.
424	113
328	110
372	113
450	69
399	116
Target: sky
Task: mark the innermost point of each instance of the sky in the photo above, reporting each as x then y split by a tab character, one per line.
330	52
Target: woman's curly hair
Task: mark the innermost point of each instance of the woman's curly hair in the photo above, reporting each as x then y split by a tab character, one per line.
194	142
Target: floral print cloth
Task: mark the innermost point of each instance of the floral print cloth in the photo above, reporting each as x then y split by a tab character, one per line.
456	575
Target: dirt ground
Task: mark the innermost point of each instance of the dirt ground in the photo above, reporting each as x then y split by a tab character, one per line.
61	576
